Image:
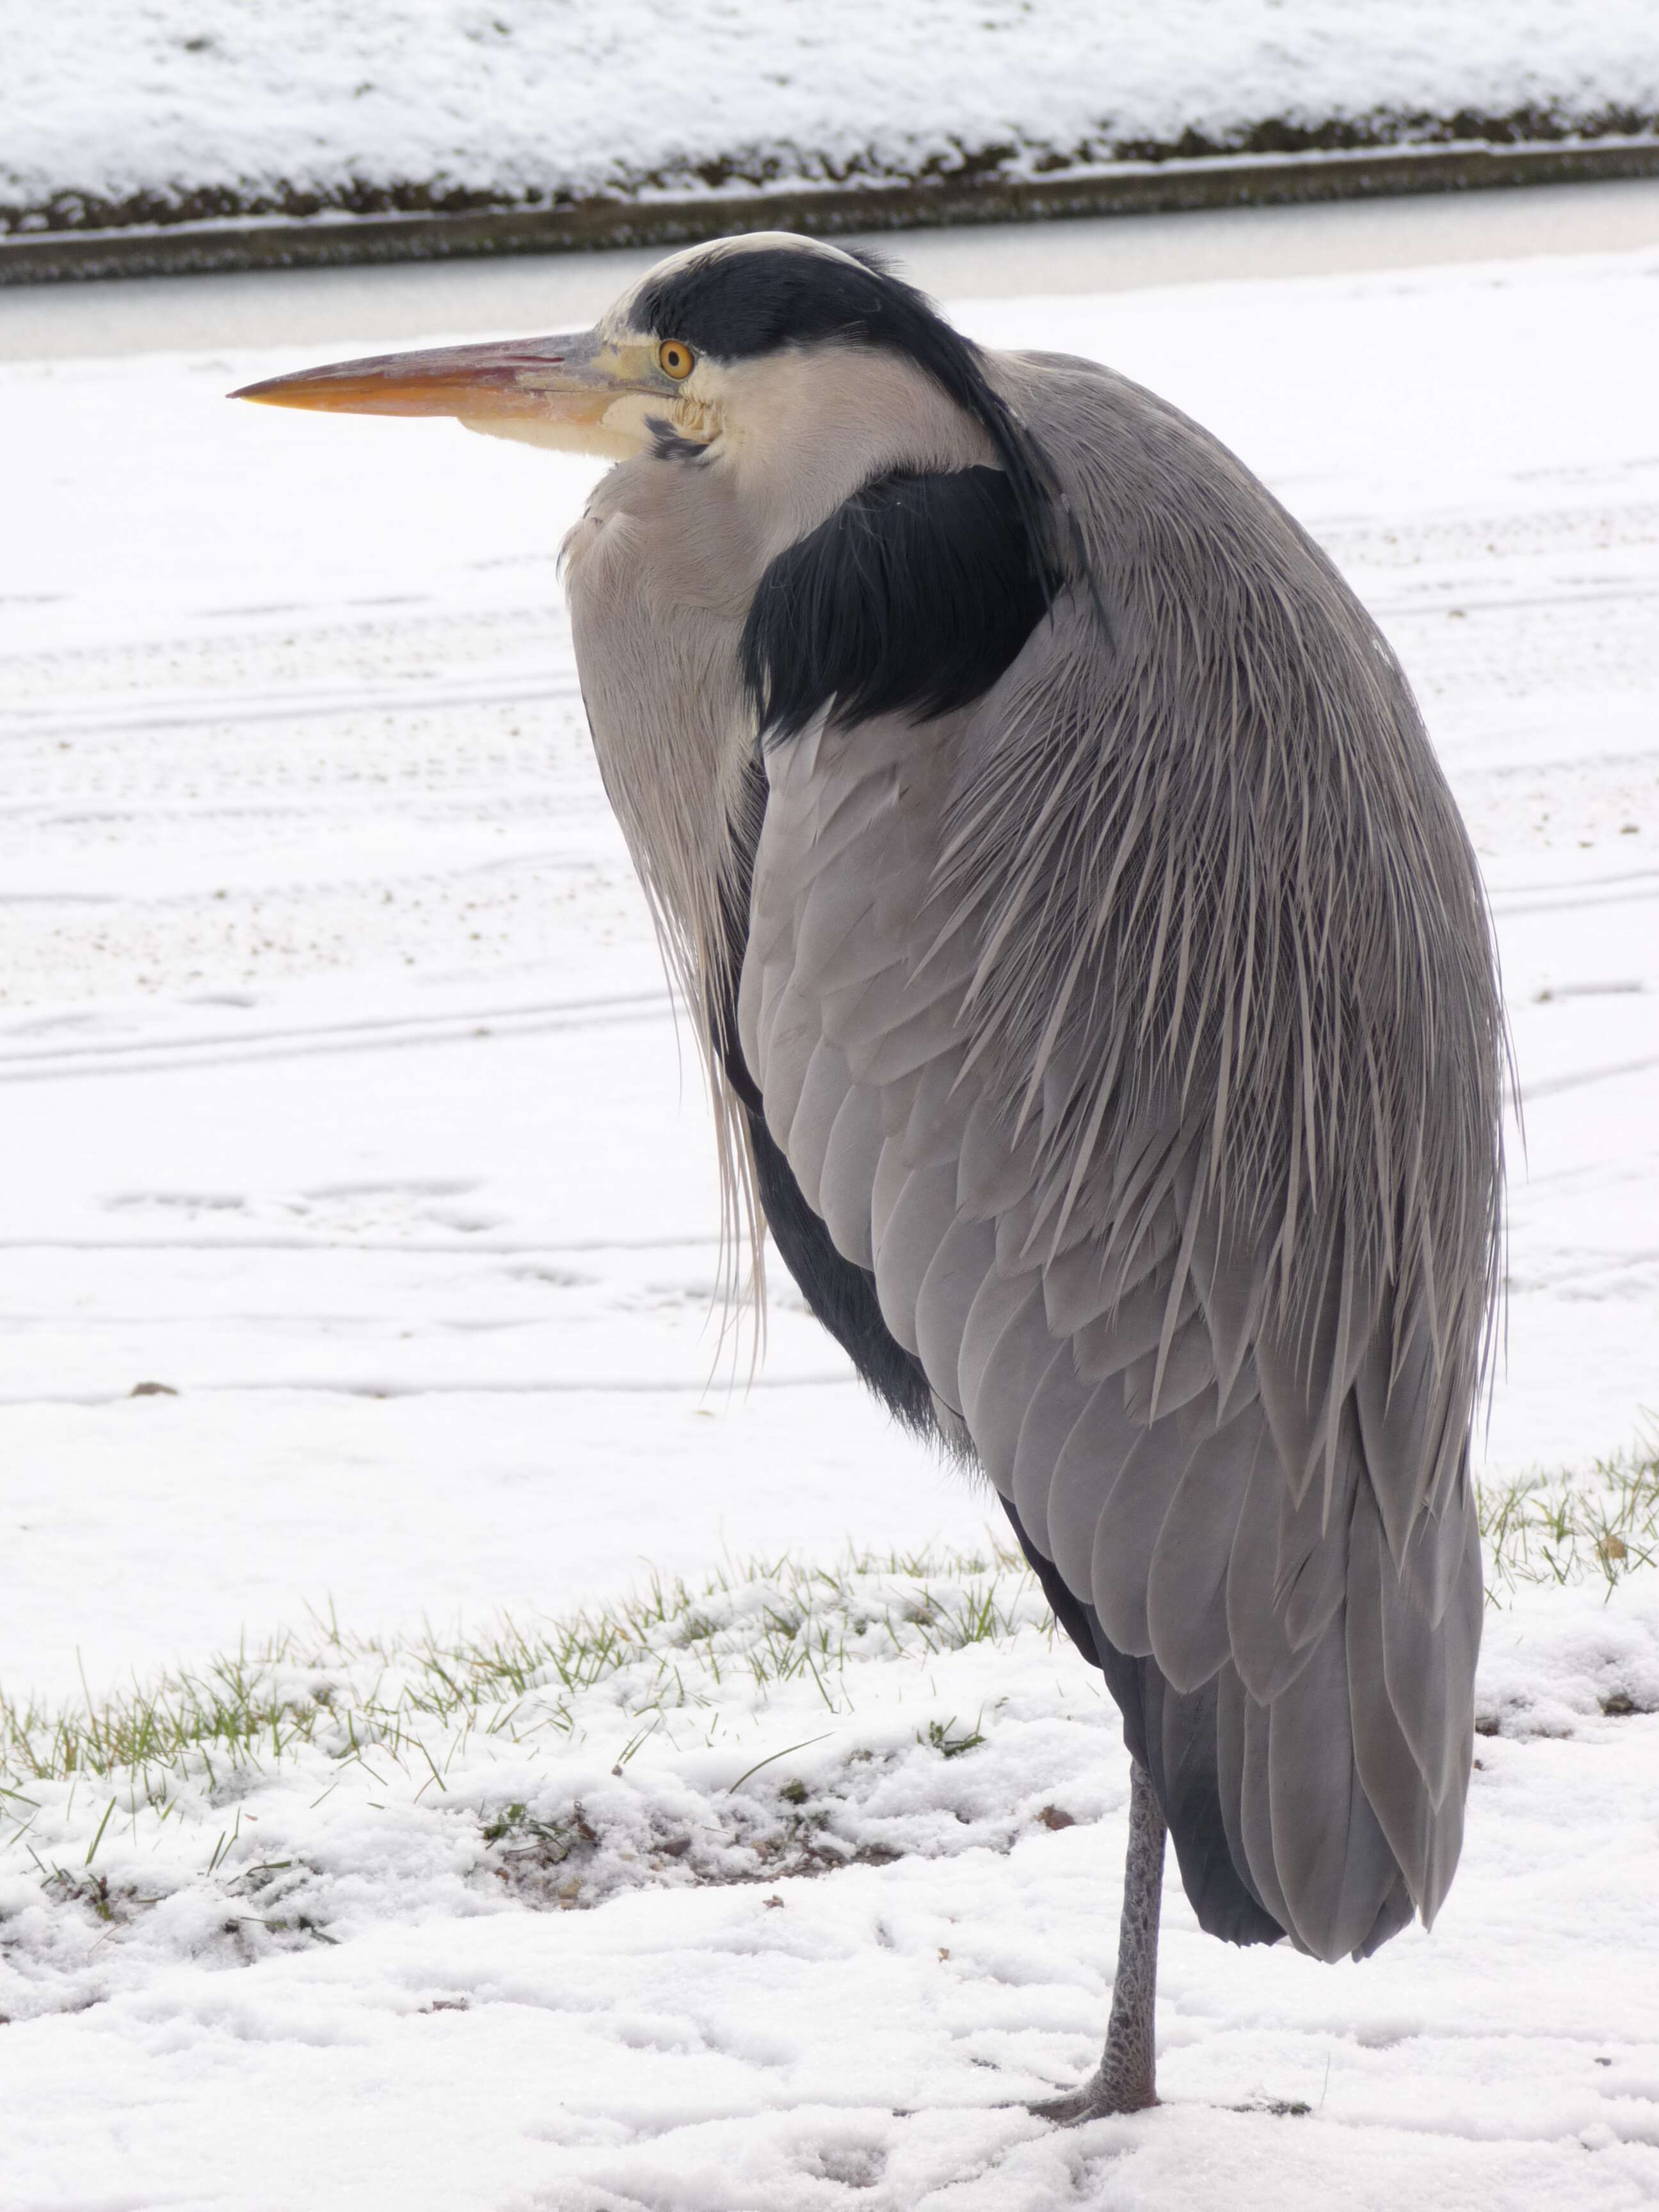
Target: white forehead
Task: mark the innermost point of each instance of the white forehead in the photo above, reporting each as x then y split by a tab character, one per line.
622	317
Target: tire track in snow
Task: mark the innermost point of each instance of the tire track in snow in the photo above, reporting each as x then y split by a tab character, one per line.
553	1386
1585	1079
143	1056
426	695
480	1247
1568	898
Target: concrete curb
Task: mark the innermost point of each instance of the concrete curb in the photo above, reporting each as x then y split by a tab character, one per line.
1137	188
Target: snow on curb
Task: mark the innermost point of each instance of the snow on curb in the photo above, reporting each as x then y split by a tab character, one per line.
126	111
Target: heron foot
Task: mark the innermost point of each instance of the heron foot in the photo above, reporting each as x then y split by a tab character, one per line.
1098	2098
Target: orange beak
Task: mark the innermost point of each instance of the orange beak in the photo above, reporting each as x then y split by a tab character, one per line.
579	392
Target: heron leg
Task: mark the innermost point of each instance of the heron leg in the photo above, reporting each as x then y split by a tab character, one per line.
1125	2079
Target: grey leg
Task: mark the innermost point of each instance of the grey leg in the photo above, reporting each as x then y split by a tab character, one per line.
1124	2081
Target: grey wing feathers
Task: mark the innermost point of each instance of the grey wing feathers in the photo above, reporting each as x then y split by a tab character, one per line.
1263	1507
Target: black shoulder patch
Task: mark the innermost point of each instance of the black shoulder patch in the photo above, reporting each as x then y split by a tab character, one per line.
913	596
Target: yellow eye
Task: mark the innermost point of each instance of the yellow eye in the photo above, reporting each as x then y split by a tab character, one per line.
676	360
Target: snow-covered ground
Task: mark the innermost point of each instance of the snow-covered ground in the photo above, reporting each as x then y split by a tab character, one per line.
589	1952
342	1097
141	110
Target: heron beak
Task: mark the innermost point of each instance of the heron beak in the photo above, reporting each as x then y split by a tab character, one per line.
580	393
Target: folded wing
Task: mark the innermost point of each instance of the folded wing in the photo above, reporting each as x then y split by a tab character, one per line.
1299	1683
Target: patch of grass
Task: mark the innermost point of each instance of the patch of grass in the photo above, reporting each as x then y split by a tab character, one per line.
746	1629
951	1743
1575	1527
750	1627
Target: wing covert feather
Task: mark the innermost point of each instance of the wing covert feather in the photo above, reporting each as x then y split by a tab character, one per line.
1187	1579
1103	1436
823	1093
855	1151
1131	1520
1052	1411
1019	1364
999	1303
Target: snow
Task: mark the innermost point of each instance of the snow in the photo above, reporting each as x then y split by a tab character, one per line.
592	1967
124	110
344	1098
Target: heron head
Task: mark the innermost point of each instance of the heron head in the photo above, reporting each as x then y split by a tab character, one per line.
776	354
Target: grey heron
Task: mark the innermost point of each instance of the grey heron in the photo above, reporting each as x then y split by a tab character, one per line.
1100	1010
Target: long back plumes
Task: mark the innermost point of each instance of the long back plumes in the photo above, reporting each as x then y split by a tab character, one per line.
1222	890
